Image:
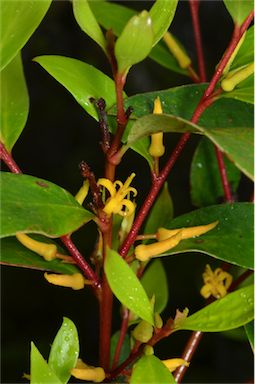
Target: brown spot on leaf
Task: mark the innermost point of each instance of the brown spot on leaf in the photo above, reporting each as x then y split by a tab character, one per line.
42	184
199	241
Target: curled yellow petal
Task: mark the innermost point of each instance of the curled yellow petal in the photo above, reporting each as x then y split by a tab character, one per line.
75	281
216	283
172	364
235	77
106	183
47	251
86	372
163	233
83	192
177	51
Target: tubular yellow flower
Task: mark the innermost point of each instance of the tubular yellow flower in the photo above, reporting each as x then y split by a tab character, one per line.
235	77
82	193
187	233
75	281
157	148
86	372
47	251
216	283
116	202
172	364
177	51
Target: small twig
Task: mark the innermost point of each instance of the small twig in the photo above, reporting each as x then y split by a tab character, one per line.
146	237
223	175
7	158
100	106
240	279
123	331
88	174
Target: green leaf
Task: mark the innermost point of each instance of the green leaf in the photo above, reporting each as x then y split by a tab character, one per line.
244	91
231	240
249	329
40	371
245	54
13	253
239	9
161	54
88	23
206	185
154	281
14	102
161	212
64	351
126	286
82	80
125	349
150	370
19	20
162	13
232	311
135	42
33	205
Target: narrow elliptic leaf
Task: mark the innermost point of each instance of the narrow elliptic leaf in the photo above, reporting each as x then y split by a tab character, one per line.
14	102
154	281
245	54
161	212
161	54
126	286
150	370
64	351
244	91
14	254
239	9
33	205
162	13
135	42
125	349
82	80
231	240
88	23
40	371
206	185
232	311
19	20
249	329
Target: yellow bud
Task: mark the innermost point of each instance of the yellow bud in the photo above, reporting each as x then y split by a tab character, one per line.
157	148
82	193
187	233
158	320
177	51
47	251
148	350
172	364
75	281
86	372
157	106
143	332
236	77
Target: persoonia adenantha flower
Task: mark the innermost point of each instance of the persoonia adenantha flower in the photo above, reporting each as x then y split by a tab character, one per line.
157	148
83	192
117	202
174	47
75	281
236	76
86	372
216	283
47	251
173	364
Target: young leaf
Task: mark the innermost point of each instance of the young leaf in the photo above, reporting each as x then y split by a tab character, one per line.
162	13
126	286
135	42
40	371
154	281
82	80
249	329
234	233
64	351
245	54
206	185
14	102
19	20
125	349
13	253
232	311
239	9
150	370
88	23
33	205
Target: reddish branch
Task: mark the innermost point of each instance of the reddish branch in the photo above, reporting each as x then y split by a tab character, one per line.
223	176
123	331
8	160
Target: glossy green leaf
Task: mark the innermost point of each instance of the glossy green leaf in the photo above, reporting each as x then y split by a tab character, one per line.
162	13
19	20
64	351
126	286
206	185
135	42
150	370
13	253
231	240
154	281
239	9
232	311
14	102
244	91
82	80
161	212
40	371
88	23
249	329
161	54
33	205
245	54
125	349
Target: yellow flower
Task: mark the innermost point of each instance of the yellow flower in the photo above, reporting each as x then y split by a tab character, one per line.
47	251
116	203
173	364
86	372
75	281
177	51
216	283
83	192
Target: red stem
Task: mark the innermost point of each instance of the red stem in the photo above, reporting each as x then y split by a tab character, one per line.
123	331
223	175
194	7
7	158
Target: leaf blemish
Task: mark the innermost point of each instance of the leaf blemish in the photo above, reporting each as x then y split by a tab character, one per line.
42	184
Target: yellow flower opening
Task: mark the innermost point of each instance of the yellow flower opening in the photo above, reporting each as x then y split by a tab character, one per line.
215	283
173	364
177	51
75	281
47	251
86	372
157	148
83	192
117	203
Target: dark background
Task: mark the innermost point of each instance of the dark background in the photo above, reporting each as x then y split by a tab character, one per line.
58	135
